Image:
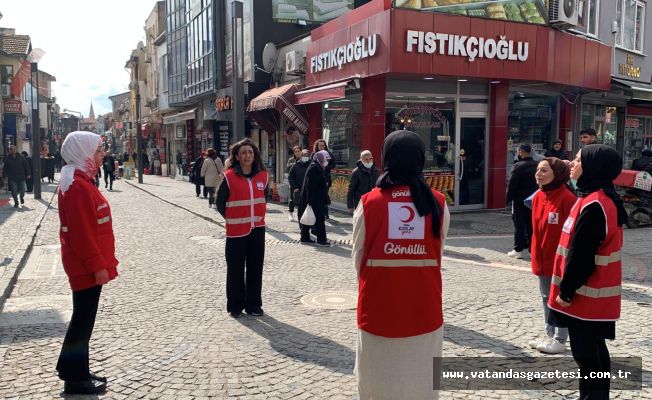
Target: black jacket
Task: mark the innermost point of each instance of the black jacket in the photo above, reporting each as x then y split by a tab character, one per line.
196	170
363	179
16	169
108	163
297	174
561	154
522	183
643	164
314	191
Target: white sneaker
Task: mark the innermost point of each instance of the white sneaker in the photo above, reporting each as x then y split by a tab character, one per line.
534	343
516	254
552	347
291	216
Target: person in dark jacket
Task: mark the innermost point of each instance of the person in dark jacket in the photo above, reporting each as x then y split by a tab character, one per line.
197	178
296	175
320	145
521	185
29	182
296	156
643	163
314	193
556	151
16	171
363	179
49	168
108	165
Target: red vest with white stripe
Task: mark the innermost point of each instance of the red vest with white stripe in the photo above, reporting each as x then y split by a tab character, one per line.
246	206
400	276
599	298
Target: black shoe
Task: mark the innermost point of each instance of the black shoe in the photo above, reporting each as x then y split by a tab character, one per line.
22	200
89	386
306	241
98	378
15	205
197	194
235	314
105	185
324	244
256	313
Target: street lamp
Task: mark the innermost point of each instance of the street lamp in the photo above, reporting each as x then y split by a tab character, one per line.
133	61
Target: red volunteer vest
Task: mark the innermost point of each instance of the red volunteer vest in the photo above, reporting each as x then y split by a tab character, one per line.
599	298
246	206
400	293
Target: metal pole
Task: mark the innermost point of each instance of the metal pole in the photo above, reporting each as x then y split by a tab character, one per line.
36	137
238	82
139	133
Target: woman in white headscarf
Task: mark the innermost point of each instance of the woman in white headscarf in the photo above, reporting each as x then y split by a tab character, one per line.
88	255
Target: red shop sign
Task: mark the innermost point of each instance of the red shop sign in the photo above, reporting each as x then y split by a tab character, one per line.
12	107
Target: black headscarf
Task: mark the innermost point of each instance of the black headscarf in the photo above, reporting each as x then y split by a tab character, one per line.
601	164
404	156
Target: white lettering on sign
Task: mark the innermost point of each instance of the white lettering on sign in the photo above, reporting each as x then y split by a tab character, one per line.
295	120
466	46
355	51
404	221
413	249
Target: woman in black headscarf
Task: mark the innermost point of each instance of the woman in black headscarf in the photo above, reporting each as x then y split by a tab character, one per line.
556	151
398	232
586	281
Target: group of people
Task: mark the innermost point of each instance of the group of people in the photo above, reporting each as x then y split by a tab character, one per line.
18	171
208	171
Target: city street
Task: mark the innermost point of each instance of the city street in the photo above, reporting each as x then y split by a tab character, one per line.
162	330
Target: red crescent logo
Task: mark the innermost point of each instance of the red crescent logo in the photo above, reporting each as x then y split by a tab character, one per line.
410	213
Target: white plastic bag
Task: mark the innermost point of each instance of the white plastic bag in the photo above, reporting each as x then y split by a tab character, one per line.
308	218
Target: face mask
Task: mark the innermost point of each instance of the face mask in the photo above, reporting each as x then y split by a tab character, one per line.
324	163
368	164
305	159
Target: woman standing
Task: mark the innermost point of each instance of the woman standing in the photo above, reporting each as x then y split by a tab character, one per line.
556	151
320	145
314	193
212	170
398	233
550	208
88	255
241	201
586	281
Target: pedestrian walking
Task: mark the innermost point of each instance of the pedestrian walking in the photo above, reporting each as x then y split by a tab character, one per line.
363	179
296	176
29	182
320	145
241	201
551	205
57	160
49	167
556	151
88	255
16	171
108	165
314	193
294	158
212	171
180	162
521	186
196	177
585	295
399	225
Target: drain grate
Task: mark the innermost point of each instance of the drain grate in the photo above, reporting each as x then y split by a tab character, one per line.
331	300
220	240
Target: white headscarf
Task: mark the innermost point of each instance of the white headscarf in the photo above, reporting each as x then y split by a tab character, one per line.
78	151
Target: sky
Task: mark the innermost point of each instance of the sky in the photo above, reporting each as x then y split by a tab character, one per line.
86	44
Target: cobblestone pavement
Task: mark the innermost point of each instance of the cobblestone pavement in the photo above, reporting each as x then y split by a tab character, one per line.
163	332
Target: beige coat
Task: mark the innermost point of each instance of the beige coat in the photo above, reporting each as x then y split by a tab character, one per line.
212	171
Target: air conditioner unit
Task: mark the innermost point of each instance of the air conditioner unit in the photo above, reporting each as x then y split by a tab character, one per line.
564	14
293	62
6	91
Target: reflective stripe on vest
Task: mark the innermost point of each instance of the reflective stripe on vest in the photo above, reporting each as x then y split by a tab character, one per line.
64	229
103	220
401	263
239	203
593	292
601	260
243	220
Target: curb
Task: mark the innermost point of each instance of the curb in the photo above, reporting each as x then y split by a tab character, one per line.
9	274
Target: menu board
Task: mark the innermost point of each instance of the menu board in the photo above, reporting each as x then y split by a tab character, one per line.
310	11
532	11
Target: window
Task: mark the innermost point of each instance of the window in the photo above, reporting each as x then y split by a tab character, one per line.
592	23
164	73
630	15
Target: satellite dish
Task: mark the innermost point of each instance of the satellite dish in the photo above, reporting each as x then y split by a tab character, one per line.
269	57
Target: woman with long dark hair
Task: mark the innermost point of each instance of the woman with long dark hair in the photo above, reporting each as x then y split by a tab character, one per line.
241	201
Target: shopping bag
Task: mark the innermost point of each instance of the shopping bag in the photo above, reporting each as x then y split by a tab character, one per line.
308	218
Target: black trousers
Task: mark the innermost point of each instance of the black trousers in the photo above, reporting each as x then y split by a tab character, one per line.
522	217
109	176
198	189
244	271
73	360
319	229
591	355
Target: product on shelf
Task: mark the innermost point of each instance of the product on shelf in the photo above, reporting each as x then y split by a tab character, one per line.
496	11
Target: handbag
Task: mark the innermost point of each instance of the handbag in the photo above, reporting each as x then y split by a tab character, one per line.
308	218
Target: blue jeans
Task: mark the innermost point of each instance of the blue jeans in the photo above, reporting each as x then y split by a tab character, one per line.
16	189
559	334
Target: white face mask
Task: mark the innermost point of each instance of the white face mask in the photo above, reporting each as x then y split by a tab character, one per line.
305	159
368	164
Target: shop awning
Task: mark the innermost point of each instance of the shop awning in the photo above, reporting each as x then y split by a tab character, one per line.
178	117
333	91
265	109
640	90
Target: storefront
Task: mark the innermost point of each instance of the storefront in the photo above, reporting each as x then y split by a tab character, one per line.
472	88
180	138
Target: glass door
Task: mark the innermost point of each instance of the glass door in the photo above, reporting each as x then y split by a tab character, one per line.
471	161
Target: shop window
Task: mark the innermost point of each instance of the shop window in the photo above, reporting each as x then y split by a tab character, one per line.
341	130
638	137
604	119
531	120
630	15
532	11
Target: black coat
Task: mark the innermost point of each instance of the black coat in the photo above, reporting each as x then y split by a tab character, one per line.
196	171
642	164
297	174
16	169
108	164
522	183
363	179
314	191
